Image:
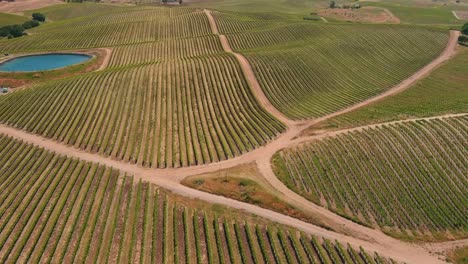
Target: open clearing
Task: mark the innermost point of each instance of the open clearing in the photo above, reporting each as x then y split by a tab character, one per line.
362	15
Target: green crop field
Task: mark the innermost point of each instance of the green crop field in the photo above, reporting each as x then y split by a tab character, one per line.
308	70
60	210
165	50
444	91
176	90
116	28
75	10
11	19
140	114
408	177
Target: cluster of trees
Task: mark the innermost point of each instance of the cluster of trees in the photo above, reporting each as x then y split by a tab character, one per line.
463	39
14	31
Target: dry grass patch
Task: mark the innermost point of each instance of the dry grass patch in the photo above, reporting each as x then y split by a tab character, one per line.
366	14
244	183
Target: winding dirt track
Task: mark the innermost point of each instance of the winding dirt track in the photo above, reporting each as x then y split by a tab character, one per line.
107	57
356	235
249	74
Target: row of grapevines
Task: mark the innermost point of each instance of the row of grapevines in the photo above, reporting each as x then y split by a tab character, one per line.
164	50
310	70
60	210
444	91
408	176
178	113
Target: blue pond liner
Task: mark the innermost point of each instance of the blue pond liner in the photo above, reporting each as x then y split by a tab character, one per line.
42	62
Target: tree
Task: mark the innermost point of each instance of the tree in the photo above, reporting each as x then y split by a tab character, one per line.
17	31
38	17
463	40
30	24
332	4
464	29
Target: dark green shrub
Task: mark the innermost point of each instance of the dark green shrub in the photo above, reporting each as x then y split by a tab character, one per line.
464	29
39	17
30	24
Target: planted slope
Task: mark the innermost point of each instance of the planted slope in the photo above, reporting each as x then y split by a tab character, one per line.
164	50
59	210
311	70
407	176
118	28
173	114
444	91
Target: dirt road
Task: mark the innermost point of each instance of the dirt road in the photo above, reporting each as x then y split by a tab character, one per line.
107	57
356	235
249	75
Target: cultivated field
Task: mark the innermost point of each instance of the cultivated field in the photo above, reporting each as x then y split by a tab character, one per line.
444	91
165	50
178	92
140	114
56	209
113	29
408	178
308	71
19	6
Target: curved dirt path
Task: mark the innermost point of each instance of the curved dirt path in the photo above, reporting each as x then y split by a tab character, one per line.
249	75
335	221
105	62
356	235
446	247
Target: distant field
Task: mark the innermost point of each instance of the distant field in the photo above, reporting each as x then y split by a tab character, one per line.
172	114
10	19
308	70
76	10
60	210
422	14
409	178
443	91
116	28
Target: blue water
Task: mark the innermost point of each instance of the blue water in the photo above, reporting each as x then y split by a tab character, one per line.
42	62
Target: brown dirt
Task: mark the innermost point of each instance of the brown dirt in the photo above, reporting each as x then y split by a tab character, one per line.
248	74
362	15
20	6
461	15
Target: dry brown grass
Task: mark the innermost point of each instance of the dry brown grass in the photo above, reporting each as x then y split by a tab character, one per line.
244	183
362	15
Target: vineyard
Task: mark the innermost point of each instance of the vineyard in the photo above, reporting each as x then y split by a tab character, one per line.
113	29
64	12
165	50
310	70
408	178
59	210
172	114
426	98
